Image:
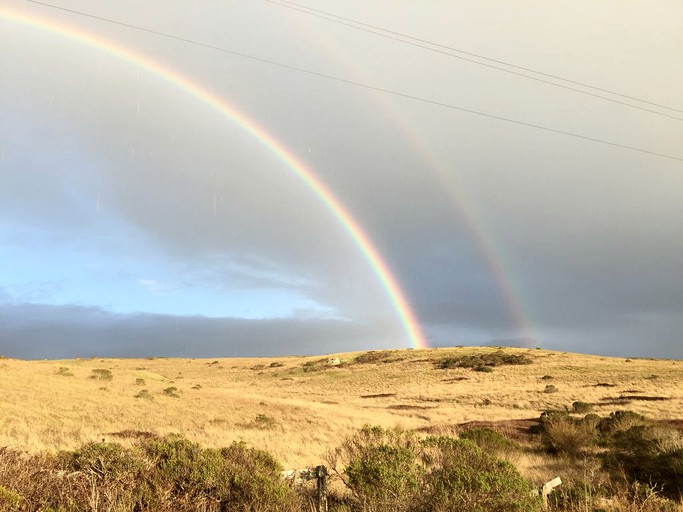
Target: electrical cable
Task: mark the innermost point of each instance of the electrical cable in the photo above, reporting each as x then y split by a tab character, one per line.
359	84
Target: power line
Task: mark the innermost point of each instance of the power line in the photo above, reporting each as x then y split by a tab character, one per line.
357	84
434	47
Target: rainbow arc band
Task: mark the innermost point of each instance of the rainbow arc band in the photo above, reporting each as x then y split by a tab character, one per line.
314	184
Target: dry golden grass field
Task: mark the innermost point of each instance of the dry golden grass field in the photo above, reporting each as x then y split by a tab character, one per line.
298	407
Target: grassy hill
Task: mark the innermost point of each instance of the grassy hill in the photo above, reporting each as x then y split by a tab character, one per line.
299	407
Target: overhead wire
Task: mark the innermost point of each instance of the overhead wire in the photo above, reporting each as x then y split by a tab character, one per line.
434	47
356	84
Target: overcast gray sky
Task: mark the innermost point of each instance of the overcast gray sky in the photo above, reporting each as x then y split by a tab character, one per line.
136	220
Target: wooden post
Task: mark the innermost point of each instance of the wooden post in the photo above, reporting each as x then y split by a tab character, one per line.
321	476
547	488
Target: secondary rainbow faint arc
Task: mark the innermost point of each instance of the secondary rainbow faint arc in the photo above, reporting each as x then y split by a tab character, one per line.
337	209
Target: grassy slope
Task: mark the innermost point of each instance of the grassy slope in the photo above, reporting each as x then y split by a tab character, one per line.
41	409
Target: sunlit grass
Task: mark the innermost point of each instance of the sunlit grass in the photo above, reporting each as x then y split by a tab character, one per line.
215	403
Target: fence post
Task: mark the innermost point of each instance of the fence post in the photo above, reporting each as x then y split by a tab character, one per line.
547	488
321	477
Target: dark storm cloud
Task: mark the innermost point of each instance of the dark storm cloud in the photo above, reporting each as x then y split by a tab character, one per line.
34	331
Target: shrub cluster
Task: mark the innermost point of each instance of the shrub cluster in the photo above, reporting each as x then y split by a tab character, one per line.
394	471
484	360
101	374
156	474
378	356
649	454
489	440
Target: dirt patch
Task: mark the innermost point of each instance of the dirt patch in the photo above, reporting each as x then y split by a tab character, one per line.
677	424
646	398
133	434
379	395
612	400
454	379
406	407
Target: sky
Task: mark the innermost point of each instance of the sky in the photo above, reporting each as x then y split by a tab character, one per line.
136	219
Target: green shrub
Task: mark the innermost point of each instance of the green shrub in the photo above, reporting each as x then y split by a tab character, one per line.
64	372
171	391
648	440
489	440
10	499
101	374
483	369
582	407
139	382
103	460
578	495
488	359
315	366
374	357
564	435
392	470
237	477
169	474
619	421
262	421
144	393
461	476
380	467
592	421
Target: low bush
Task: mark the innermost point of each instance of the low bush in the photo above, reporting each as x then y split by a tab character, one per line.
581	407
567	436
145	394
263	422
101	374
171	391
619	421
315	366
169	474
461	476
380	467
392	470
650	454
487	359
375	357
489	440
648	440
483	369
10	500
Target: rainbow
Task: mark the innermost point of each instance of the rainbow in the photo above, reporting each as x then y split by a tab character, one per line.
478	232
296	166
